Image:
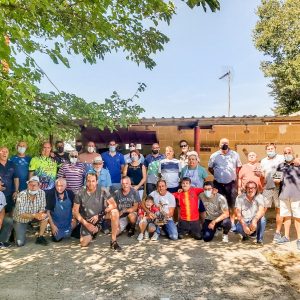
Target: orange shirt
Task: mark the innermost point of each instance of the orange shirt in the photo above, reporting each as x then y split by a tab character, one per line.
247	173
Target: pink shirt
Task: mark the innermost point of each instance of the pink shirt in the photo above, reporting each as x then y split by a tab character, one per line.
247	173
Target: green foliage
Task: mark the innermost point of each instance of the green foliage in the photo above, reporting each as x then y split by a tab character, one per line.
58	29
277	34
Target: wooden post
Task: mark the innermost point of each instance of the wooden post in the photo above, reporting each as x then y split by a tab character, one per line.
197	139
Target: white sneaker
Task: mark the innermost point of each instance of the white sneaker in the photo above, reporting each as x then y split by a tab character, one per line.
155	237
225	238
140	237
146	235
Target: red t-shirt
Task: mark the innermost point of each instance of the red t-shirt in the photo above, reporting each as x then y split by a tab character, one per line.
189	204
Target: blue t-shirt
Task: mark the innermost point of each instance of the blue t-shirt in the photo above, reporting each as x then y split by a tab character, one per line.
113	165
22	168
8	173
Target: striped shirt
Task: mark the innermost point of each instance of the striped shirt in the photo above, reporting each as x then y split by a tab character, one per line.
170	170
24	205
74	175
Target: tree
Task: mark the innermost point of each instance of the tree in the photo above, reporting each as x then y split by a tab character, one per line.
277	35
59	28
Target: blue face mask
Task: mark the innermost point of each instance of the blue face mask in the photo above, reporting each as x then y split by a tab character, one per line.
271	153
208	193
289	157
112	148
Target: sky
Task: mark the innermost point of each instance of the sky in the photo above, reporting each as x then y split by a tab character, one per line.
185	82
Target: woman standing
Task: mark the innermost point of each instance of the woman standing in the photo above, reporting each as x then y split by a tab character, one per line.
136	171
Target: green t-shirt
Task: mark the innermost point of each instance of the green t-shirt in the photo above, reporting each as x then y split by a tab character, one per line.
152	172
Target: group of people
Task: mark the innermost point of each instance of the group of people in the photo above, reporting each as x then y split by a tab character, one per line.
81	193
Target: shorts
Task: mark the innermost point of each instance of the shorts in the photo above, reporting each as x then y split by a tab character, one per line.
290	207
271	196
124	221
228	190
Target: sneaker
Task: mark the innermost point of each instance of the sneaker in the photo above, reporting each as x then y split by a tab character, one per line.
131	232
298	244
114	245
233	228
4	245
277	237
106	231
155	237
41	241
260	242
140	237
180	236
225	238
146	235
283	240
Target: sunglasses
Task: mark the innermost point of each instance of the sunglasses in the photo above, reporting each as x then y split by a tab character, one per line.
182	146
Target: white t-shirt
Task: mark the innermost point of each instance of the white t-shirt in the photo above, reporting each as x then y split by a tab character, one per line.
2	201
164	202
269	167
170	170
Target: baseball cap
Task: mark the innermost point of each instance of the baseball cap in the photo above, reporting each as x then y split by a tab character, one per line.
33	178
97	160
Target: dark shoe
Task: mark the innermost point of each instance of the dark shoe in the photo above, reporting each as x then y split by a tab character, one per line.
260	242
197	236
114	245
180	236
4	245
55	240
41	241
245	238
131	232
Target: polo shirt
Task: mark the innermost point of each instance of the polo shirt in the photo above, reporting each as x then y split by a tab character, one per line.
22	167
8	173
113	164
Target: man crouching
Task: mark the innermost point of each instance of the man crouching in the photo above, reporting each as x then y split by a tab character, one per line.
91	206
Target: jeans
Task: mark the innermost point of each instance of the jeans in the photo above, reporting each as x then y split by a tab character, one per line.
20	231
208	234
6	229
260	230
170	229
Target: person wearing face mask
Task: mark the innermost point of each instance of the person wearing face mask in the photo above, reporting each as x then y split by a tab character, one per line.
30	207
60	156
269	166
250	211
216	214
104	179
89	155
136	171
185	151
127	157
21	161
59	204
289	195
152	164
74	172
225	164
78	146
114	162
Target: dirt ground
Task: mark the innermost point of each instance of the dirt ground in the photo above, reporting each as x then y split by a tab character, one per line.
185	269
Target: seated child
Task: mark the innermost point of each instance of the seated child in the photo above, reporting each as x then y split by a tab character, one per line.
146	220
189	205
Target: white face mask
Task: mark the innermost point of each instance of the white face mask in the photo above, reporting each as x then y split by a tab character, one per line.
134	158
208	193
73	160
91	149
21	150
33	192
131	148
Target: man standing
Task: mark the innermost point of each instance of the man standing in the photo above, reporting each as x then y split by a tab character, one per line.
127	199
225	164
21	161
216	213
269	166
289	195
44	167
74	172
152	165
127	158
10	180
89	206
59	204
165	201
6	224
114	162
250	212
60	156
88	156
30	206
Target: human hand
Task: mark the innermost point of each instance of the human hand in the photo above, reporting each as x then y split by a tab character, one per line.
91	228
211	225
246	229
94	219
54	229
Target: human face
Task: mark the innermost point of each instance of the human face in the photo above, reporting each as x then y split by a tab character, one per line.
60	186
148	204
224	142
131	146
4	153
169	153
184	147
98	166
134	156
112	146
252	157
192	161
185	185
33	186
155	148
162	188
60	147
251	189
46	149
91	183
126	184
